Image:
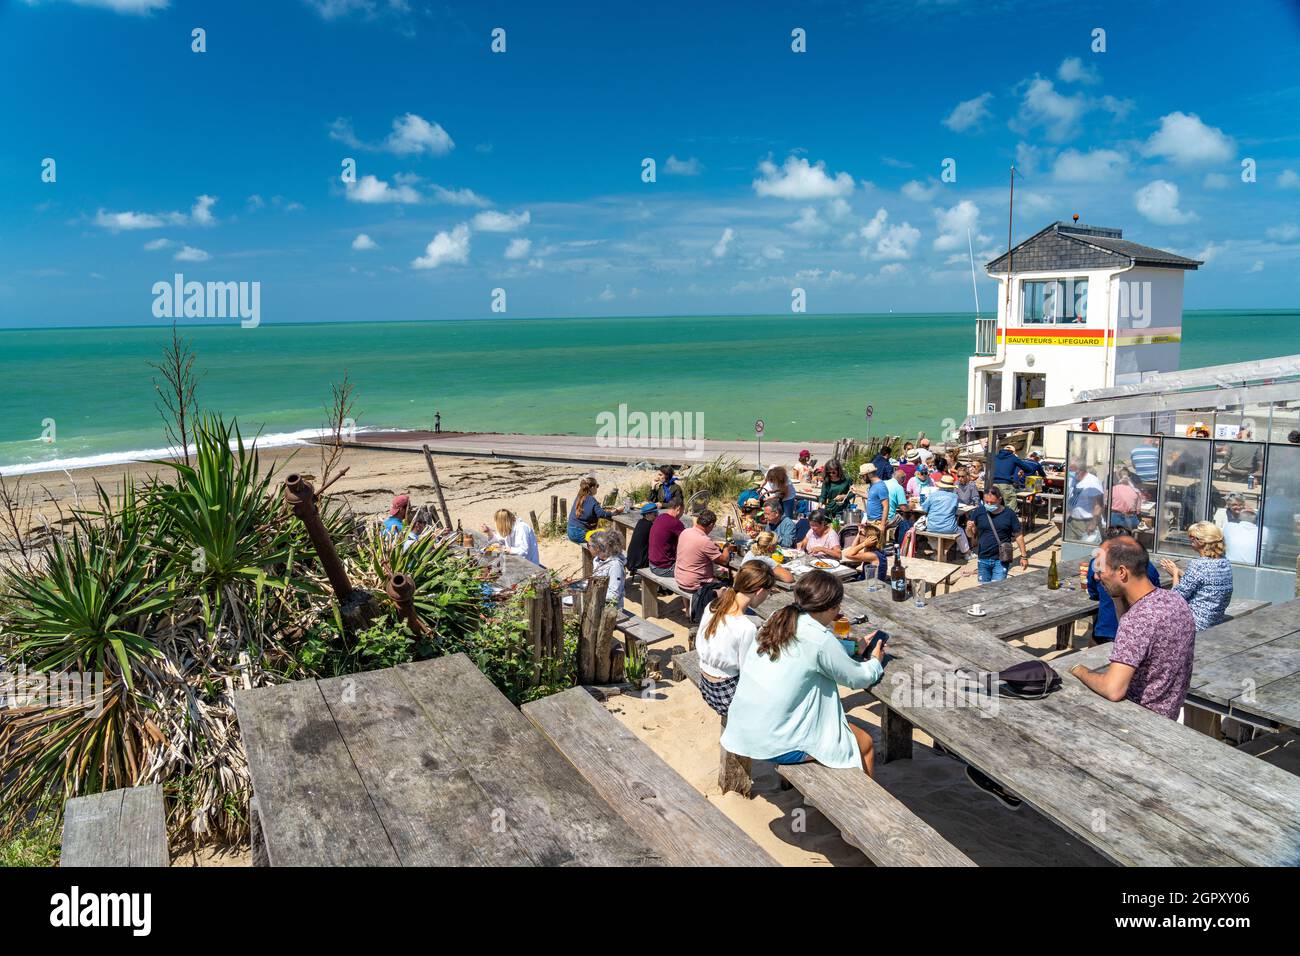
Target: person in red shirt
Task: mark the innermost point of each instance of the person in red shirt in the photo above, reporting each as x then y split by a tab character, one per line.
664	533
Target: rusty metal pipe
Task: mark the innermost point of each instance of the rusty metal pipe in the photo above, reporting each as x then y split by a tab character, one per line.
300	496
402	590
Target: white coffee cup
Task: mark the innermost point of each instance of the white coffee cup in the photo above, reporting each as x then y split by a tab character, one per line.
976	609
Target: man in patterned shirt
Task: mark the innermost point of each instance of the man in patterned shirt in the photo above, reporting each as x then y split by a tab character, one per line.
1151	661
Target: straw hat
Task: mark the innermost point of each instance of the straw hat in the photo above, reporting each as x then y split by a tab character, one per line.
947	481
867	469
913	455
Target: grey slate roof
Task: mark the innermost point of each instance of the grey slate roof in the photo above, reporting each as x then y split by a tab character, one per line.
1066	246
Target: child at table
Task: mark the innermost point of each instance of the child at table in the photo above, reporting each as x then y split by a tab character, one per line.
866	550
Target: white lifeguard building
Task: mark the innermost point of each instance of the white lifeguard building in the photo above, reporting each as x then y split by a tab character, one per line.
1079	308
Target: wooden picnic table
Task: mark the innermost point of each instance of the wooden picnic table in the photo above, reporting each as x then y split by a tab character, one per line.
512	569
1139	788
932	573
1247	668
423	764
1021	605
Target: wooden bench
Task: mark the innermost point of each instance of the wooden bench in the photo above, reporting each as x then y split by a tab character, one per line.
941	543
733	771
663	809
870	818
118	828
638	628
650	601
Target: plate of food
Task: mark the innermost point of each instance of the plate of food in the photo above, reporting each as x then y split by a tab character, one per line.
824	564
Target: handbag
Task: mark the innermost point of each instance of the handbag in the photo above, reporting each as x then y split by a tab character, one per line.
1006	551
1028	680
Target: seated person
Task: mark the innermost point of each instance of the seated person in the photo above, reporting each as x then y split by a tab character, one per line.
606	549
779	523
803	471
397	514
788	708
968	492
919	486
1125	504
514	536
867	552
1108	612
836	491
761	551
665	484
1206	585
638	546
941	513
777	484
727	632
1151	659
822	540
698	554
749	517
664	533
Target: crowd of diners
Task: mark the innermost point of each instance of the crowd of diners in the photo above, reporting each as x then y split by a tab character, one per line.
776	682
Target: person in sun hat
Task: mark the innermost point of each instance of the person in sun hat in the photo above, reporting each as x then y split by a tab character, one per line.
911	461
397	513
638	546
803	471
941	512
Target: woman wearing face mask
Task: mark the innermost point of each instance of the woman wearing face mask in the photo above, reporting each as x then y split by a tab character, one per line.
995	525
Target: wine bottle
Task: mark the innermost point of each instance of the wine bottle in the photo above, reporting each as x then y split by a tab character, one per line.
1053	575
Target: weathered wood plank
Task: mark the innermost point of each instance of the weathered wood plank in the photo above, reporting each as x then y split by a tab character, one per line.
312	802
541	798
870	818
666	811
433	811
125	827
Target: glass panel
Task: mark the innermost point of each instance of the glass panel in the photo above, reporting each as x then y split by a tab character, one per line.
1282	508
1193	424
1134	486
1285	424
1052	301
1236	485
1033	298
1184	474
1086	486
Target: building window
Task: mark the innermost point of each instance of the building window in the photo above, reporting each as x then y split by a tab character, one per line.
1280	542
1055	301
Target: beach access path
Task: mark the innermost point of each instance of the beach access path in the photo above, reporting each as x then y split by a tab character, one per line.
586	449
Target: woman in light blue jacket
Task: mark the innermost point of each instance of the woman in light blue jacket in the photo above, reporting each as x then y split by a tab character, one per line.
787	706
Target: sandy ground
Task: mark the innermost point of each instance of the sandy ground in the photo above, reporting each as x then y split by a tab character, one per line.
671	717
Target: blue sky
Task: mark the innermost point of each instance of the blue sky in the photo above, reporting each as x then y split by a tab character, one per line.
522	170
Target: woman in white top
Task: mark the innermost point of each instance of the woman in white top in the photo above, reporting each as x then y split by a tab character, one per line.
761	551
606	549
726	633
513	536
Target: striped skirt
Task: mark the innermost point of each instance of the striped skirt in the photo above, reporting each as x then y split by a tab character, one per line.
718	695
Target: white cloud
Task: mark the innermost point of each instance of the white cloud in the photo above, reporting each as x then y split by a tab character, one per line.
1098	165
918	191
1073	70
1030	158
606	294
720	247
953	224
839	209
411	136
492	221
191	254
123	221
363	242
153	245
136	7
873	229
773	253
1289	179
1183	139
799	179
518	248
1043	106
1158	201
683	167
369	189
459	197
1287	232
969	114
891	242
1216	181
256	202
809	223
201	213
1257	267
445	247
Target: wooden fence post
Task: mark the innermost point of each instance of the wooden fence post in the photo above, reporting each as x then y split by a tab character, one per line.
590	624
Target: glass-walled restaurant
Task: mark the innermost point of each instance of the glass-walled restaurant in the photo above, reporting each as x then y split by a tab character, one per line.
1239	468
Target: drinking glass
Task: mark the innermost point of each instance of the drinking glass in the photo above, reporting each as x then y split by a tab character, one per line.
842	627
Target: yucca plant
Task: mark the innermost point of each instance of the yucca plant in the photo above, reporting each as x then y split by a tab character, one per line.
88	607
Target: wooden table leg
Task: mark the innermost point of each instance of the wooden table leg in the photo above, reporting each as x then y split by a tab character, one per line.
896	736
1205	721
1064	636
735	774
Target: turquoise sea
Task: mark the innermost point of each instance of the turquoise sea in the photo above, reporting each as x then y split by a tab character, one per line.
809	377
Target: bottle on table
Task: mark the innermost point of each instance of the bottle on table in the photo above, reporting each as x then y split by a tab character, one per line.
1053	575
466	538
728	536
898	581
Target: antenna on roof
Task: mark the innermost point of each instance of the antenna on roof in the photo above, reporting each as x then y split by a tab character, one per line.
1011	205
973	284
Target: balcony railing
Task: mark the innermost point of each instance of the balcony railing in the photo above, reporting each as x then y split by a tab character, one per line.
986	336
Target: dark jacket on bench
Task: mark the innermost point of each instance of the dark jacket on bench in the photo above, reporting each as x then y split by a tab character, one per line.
638	546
